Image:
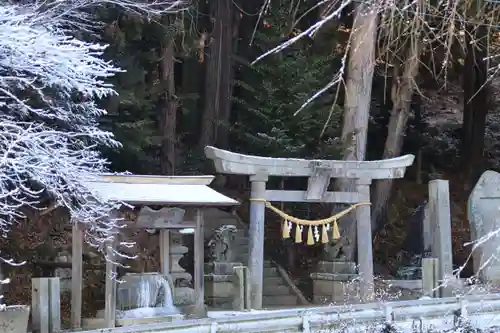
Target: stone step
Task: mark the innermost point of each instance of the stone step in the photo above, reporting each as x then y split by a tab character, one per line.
278	301
268	263
333	277
275	290
242	259
240	248
241	234
240	238
274	281
270	271
240	242
242	253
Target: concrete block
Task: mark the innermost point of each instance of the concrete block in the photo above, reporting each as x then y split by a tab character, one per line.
337	267
219	289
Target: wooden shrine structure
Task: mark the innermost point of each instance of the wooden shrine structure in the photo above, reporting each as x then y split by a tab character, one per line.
319	173
191	192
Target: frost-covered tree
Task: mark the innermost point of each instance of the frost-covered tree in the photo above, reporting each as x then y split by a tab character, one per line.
50	86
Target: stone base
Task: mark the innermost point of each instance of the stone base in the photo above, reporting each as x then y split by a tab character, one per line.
219	291
220	284
328	290
334	283
183	296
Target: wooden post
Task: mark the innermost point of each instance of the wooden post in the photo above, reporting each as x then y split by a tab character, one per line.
40	305
439	204
110	288
365	248
165	251
76	276
46	305
199	275
55	305
239	288
256	242
427	229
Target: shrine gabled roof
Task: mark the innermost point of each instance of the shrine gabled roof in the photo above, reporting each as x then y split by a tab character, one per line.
159	190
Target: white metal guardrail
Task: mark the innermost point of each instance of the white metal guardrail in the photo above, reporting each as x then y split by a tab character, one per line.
482	310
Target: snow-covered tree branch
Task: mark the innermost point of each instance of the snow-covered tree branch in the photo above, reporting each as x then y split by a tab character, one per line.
50	86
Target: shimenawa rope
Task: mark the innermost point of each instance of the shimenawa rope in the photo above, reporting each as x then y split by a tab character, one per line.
300	223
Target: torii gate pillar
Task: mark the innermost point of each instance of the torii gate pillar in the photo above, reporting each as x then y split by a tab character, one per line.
364	240
319	173
256	242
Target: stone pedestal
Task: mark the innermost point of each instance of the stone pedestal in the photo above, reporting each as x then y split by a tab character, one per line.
335	288
177	251
219	284
64	274
335	282
183	292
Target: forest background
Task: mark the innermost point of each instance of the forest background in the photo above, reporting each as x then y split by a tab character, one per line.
189	82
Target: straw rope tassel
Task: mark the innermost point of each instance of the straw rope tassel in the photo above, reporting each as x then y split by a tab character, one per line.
335	231
310	238
298	234
286	230
324	235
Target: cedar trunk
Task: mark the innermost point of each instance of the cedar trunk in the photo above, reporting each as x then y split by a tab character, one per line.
476	95
401	94
357	107
168	108
218	77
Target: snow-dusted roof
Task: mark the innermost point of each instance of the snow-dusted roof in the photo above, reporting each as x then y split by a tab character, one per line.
160	190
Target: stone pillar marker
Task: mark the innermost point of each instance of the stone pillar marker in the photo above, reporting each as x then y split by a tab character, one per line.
439	204
256	241
437	233
483	213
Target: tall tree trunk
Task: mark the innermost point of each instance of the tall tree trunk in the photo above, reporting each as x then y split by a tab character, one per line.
476	95
357	106
403	85
218	77
168	106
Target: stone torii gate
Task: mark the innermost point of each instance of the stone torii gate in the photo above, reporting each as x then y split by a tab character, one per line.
319	172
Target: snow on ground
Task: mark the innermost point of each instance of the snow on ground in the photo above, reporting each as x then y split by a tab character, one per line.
484	322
